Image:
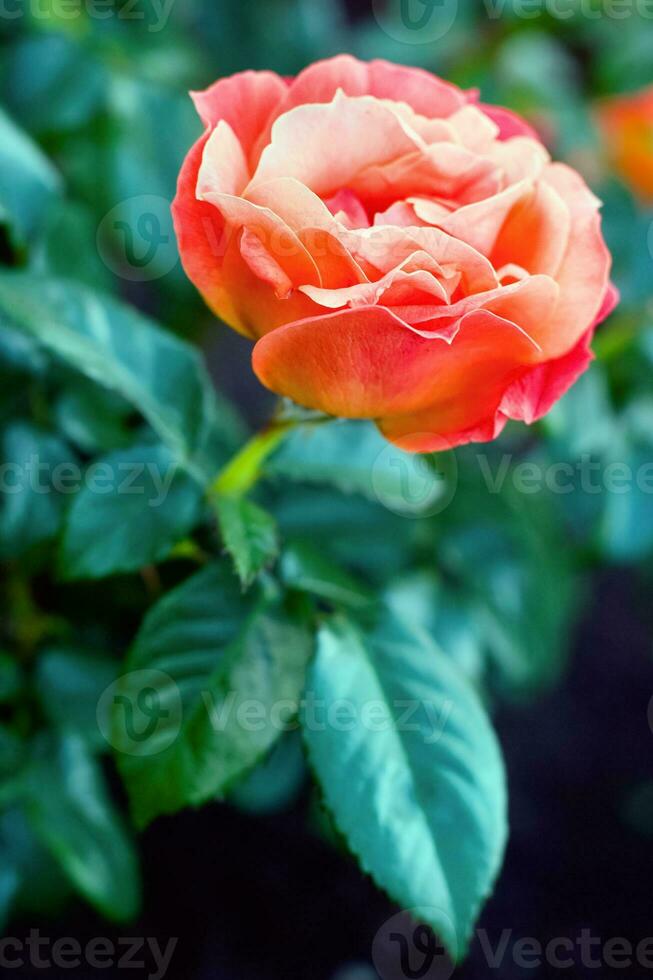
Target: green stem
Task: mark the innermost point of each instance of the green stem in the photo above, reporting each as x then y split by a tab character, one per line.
244	469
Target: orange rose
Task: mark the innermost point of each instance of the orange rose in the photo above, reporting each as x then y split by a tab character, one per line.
626	122
399	251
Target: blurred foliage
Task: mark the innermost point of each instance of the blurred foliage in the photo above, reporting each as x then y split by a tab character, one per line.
486	555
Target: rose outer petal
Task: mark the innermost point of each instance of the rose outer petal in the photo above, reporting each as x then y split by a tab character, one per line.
365	363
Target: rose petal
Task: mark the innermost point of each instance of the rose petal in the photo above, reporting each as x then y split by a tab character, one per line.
245	101
224	168
477	224
321	146
536	233
584	273
364	363
275	235
202	241
425	93
509	123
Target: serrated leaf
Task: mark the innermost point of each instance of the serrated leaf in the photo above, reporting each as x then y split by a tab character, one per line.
93	419
354	456
70	811
32	883
419	791
310	570
160	376
249	534
205	653
28	183
31	506
133	507
69	684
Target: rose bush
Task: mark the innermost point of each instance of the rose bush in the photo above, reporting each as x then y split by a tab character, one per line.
397	250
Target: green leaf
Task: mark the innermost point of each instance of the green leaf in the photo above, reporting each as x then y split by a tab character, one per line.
69	242
509	557
70	811
418	786
31	506
133	507
377	541
70	684
30	880
354	456
52	82
28	183
12	752
160	376
93	419
11	679
626	527
249	534
205	656
275	784
310	570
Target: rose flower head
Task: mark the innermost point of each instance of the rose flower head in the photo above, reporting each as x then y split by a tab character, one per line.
397	250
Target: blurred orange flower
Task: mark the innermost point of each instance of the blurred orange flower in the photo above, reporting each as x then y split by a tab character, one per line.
626	123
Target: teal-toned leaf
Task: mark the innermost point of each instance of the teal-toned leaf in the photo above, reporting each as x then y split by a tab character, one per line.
413	774
450	617
71	813
12	751
28	183
11	679
30	880
162	377
134	506
509	557
626	528
276	783
377	542
249	534
142	174
195	712
52	83
70	684
310	570
91	418
31	500
354	457
68	242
